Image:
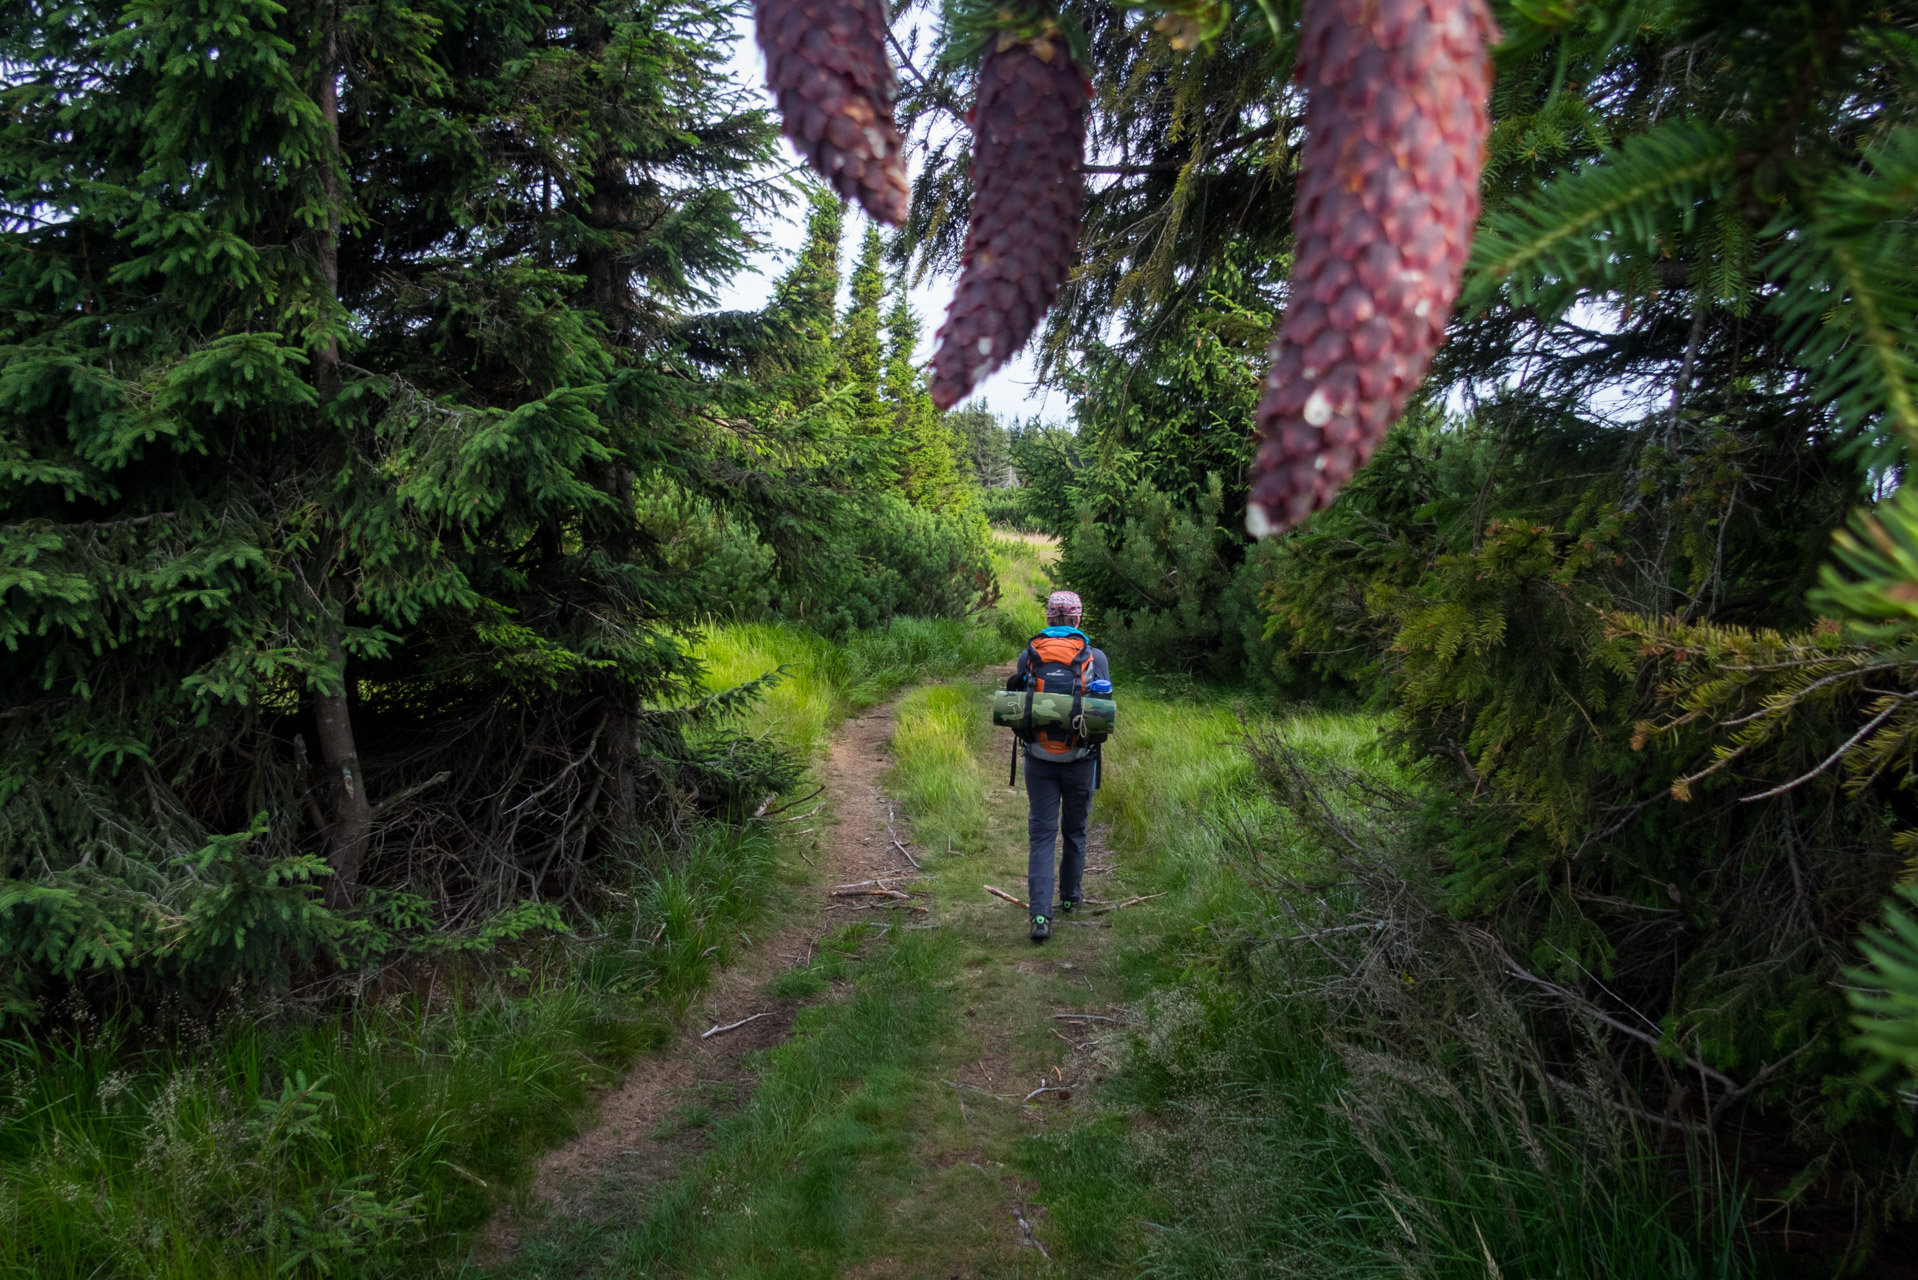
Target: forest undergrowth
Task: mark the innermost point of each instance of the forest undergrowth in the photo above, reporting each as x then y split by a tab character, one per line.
1212	1101
1266	1118
289	1137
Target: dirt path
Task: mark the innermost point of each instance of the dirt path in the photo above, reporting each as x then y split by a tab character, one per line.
655	1124
1036	1036
1019	1042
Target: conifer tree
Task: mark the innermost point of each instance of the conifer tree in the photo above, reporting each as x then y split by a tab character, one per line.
859	340
805	304
926	448
330	355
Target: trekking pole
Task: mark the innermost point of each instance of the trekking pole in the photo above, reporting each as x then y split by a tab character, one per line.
1012	779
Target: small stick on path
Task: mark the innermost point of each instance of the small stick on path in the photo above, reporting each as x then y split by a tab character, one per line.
868	893
909	858
1001	893
710	1032
1030	1238
1003	1097
1129	902
882	882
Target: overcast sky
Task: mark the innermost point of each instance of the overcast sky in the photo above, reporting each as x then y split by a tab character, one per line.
1008	392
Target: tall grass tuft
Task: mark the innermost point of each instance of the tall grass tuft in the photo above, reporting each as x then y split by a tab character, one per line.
1264	1120
285	1142
936	772
343	1146
1184	803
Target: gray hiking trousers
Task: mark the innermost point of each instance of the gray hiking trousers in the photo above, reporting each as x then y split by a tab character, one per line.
1061	797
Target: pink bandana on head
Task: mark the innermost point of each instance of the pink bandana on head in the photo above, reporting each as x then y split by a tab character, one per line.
1064	609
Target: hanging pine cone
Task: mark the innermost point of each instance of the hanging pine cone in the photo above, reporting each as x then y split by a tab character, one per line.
1028	193
826	63
1388	194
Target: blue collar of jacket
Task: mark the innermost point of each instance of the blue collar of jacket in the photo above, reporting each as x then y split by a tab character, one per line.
1058	633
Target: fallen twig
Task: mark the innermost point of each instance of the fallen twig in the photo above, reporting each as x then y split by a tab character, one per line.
1081	1017
882	881
868	893
1030	1238
790	803
408	793
1370	927
1001	893
909	858
710	1032
1129	902
973	1088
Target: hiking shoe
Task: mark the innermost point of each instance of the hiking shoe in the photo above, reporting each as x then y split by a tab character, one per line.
1068	905
1041	929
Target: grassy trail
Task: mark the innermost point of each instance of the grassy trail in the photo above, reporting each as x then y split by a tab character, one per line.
879	1098
924	1093
922	1081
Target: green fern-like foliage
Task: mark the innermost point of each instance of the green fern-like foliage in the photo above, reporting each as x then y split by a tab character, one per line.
1885	992
1847	270
1589	228
1874	585
1756	181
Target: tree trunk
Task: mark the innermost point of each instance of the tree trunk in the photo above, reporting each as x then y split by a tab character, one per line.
351	824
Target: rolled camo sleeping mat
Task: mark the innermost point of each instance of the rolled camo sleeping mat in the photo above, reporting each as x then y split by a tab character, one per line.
1052	711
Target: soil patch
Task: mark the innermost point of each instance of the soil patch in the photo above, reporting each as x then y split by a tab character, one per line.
662	1116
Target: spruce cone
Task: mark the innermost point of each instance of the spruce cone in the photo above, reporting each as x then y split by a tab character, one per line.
826	63
1388	195
1028	192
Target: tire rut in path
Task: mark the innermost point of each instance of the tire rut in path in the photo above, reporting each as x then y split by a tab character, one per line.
641	1137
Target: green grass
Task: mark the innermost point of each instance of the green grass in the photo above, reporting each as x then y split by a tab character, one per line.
288	1141
1183	800
935	775
1238	1141
362	1143
825	680
801	1175
335	1146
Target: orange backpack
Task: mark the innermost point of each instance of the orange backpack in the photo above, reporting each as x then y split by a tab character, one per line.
1059	664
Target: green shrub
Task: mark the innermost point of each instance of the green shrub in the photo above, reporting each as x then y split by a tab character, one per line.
1006	509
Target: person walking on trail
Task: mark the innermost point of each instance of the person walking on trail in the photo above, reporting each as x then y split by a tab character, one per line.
1062	768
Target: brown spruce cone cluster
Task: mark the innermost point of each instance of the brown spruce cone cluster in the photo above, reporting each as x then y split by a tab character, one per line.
1028	193
1388	195
826	63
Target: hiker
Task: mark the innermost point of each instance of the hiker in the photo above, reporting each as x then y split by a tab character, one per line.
1062	767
